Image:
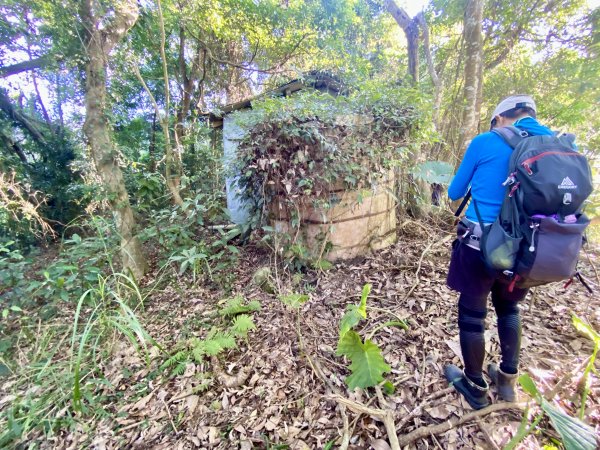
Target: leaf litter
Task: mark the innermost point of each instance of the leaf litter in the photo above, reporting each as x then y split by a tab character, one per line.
287	367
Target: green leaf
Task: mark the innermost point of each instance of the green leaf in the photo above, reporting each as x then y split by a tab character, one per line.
434	172
396	323
236	305
329	445
363	299
294	300
388	387
529	386
217	343
349	320
355	314
575	434
368	365
586	329
323	264
242	324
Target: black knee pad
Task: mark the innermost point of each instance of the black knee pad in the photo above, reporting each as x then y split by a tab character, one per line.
504	309
470	320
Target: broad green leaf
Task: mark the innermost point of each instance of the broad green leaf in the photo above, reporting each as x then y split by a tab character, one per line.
434	172
529	386
323	264
294	300
350	319
368	365
355	314
575	434
349	344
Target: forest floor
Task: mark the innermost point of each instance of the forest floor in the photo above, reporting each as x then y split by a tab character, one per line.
280	388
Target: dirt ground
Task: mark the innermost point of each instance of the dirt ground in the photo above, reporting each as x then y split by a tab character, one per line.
288	373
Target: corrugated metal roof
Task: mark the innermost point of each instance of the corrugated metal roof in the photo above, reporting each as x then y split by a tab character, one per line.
321	81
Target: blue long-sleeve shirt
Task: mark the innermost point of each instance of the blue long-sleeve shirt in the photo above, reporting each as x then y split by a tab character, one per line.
485	167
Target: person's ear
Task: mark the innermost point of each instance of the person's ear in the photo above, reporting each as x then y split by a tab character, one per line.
495	122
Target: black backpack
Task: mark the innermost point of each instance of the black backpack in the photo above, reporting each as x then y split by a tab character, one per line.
537	237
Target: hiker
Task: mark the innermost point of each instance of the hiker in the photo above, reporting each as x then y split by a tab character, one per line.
484	168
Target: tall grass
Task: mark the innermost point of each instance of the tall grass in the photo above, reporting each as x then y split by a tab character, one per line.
53	389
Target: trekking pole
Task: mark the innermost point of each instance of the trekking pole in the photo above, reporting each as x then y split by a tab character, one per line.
466	199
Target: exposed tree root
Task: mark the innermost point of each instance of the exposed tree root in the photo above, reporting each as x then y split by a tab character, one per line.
440	428
387	417
229	381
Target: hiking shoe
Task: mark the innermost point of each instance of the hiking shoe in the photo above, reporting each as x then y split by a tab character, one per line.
505	382
475	395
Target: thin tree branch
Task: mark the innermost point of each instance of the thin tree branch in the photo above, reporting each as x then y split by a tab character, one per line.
20	118
9	143
420	18
273	69
37	63
136	71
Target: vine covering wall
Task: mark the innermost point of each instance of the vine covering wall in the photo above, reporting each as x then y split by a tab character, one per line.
302	147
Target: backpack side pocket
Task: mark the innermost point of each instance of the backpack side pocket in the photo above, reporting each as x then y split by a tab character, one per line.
556	247
499	248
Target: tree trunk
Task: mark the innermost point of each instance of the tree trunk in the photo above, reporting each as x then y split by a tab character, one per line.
173	166
435	79
237	88
411	30
473	60
100	40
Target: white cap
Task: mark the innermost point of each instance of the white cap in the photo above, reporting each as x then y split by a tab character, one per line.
514	101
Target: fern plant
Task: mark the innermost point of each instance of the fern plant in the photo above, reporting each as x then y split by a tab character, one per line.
236	326
238	305
367	363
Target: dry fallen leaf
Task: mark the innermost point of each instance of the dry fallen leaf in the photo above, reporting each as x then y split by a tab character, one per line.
441	411
380	444
142	402
192	403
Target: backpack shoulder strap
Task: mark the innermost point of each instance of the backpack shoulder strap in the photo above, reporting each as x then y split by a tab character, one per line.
511	135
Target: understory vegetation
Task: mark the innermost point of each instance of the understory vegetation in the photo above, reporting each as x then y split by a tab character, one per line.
134	313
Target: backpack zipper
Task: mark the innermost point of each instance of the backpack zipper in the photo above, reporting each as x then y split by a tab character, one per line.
527	163
534	226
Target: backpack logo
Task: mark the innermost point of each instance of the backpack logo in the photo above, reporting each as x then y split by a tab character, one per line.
567	198
567	184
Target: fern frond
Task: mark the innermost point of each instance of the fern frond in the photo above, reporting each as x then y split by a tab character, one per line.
180	369
198	354
254	305
203	386
217	343
236	305
176	358
242	324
